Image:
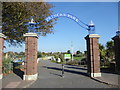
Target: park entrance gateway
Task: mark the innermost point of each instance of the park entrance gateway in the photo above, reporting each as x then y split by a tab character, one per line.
30	67
93	54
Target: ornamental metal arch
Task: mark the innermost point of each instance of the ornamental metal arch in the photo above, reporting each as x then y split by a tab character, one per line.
90	27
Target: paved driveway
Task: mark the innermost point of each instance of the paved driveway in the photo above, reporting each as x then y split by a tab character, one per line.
75	77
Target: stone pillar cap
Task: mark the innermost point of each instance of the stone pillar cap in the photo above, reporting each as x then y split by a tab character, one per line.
92	36
30	35
2	35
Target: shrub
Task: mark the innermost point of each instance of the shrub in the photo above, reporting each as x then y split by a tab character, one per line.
105	63
74	62
7	65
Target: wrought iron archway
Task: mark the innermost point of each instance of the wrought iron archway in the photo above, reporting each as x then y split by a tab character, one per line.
90	27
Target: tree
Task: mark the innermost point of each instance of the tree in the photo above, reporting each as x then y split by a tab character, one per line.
102	52
68	52
39	54
78	52
110	50
22	53
16	14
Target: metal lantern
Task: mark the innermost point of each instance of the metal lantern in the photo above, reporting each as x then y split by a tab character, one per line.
91	28
31	26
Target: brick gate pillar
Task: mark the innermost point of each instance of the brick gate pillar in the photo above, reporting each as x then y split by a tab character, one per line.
117	52
93	55
2	36
30	68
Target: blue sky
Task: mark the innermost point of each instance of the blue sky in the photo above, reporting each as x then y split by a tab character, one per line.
103	14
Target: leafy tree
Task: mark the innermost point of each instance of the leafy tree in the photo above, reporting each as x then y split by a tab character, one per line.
39	54
44	54
110	50
22	53
68	52
102	52
16	14
107	53
78	52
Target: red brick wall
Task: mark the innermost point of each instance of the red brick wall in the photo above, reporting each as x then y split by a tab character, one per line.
31	56
93	55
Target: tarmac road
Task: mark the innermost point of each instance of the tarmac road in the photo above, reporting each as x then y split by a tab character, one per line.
50	76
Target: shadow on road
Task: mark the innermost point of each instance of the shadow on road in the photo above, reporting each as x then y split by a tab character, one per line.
76	67
18	72
56	74
69	71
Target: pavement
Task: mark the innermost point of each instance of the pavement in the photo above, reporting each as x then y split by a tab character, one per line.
50	76
14	81
110	79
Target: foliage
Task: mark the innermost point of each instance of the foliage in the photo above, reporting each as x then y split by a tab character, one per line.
105	64
78	52
102	52
39	54
21	53
110	50
107	54
78	58
11	54
79	55
7	65
16	14
74	62
14	55
46	54
68	52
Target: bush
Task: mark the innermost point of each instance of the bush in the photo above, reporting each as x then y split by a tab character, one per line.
105	63
39	54
74	62
7	65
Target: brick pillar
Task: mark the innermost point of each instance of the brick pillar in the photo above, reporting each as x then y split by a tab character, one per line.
117	52
1	52
93	55
30	68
